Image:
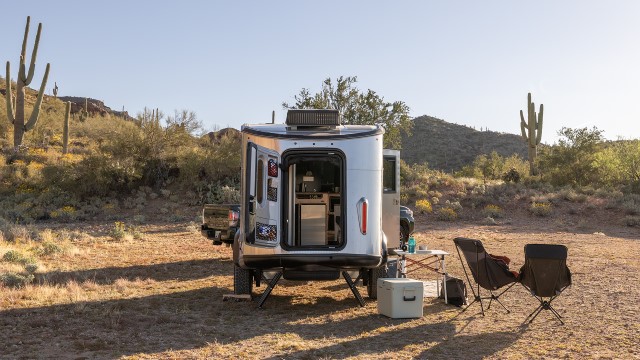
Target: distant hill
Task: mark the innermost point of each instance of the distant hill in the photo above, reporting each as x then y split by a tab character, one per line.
216	136
448	147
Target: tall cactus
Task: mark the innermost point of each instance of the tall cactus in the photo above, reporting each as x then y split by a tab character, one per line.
532	132
16	116
65	128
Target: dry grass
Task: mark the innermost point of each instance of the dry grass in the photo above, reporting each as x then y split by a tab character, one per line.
160	297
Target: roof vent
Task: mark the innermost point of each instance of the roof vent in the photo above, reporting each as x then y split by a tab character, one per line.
324	117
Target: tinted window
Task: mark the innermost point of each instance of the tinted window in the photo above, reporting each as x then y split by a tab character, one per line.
389	174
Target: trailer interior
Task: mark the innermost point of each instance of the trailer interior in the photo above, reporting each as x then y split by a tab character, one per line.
315	183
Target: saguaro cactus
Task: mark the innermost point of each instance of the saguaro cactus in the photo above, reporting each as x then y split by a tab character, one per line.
532	132
65	128
55	90
16	116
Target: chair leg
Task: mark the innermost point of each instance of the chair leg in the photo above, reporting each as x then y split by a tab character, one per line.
556	314
475	299
544	305
494	297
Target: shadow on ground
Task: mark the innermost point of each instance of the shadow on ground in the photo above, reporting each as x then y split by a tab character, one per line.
181	270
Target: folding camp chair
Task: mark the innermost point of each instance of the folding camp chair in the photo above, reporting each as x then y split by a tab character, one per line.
487	272
545	274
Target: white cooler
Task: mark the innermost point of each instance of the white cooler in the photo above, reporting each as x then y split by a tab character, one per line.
400	298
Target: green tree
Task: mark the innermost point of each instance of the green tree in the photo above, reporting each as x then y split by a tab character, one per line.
573	160
619	164
358	108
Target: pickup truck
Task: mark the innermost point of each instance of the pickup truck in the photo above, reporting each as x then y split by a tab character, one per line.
220	223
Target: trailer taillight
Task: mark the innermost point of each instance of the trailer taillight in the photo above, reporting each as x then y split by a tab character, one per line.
234	216
363	214
364	218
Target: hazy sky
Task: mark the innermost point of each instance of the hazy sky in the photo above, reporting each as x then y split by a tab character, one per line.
233	62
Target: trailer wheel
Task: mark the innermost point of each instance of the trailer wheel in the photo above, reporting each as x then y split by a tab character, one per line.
242	280
374	275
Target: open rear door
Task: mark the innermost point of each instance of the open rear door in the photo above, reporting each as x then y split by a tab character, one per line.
262	195
391	197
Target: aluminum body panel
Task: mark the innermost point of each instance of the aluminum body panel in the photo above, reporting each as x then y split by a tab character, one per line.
363	174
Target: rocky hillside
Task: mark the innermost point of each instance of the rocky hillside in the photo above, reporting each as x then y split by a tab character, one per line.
93	107
448	147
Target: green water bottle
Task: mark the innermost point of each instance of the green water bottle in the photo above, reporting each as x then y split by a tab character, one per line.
412	245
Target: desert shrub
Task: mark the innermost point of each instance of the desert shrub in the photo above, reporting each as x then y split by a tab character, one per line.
15	280
16	257
16	233
65	213
493	211
631	204
446	214
540	209
48	248
139	219
571	195
573	160
119	230
511	176
221	192
31	268
423	206
631	220
455	205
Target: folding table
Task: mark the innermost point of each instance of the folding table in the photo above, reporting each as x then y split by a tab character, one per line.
432	260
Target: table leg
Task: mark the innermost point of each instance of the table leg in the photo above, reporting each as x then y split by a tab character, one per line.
444	281
402	269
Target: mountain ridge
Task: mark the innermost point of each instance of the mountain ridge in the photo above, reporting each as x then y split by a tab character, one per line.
450	146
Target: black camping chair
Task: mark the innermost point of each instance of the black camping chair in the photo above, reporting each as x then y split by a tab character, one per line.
545	274
486	271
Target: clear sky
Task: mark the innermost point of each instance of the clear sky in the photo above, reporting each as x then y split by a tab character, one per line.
233	62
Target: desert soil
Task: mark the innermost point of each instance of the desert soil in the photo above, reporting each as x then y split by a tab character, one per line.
161	297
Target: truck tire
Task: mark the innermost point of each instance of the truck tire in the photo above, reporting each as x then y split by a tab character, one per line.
242	280
404	232
374	275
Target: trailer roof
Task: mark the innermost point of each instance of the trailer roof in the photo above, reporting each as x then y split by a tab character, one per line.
288	132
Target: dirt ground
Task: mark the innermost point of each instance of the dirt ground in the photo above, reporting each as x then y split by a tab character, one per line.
161	297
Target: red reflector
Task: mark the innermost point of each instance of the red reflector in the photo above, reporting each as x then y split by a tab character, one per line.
364	217
233	216
273	168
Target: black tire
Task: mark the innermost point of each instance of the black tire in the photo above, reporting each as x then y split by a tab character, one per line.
242	280
374	275
404	232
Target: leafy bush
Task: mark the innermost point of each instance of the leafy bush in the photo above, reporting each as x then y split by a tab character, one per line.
540	209
119	230
48	248
16	257
511	176
632	220
493	211
424	206
573	160
446	214
14	280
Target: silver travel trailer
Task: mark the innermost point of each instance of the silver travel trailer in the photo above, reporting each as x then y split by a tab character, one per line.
319	200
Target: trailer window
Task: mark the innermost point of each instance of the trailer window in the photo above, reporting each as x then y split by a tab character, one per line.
260	181
389	174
